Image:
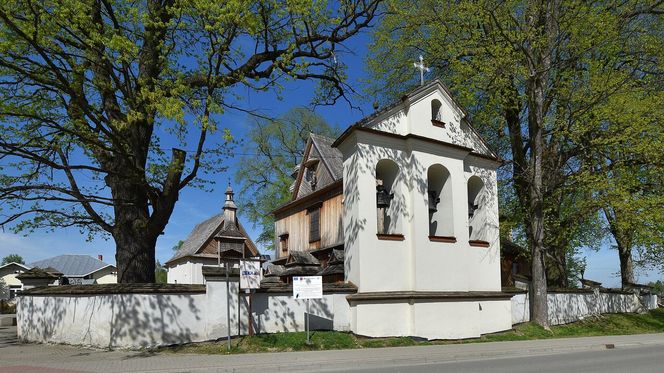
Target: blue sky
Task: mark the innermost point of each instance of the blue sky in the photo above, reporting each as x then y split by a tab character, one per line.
196	205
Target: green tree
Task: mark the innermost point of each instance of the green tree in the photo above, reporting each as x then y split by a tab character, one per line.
177	246
534	74
276	146
15	258
626	169
99	99
160	274
658	287
4	292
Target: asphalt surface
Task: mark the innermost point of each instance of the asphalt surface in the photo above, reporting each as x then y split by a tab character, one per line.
642	359
635	353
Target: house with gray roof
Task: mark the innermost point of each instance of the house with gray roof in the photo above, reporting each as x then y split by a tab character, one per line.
217	238
12	285
80	269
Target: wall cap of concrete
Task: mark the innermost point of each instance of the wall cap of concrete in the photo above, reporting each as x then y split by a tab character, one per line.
212	271
446	295
328	288
102	289
513	290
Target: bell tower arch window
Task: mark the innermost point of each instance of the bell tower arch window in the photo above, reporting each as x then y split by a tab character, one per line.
477	212
441	218
388	200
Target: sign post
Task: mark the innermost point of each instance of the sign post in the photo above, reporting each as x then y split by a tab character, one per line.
307	287
228	305
250	278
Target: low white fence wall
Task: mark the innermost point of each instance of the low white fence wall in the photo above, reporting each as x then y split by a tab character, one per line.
113	320
179	314
186	314
566	307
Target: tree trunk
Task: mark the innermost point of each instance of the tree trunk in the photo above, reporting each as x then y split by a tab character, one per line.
541	17
135	256
538	294
626	264
135	240
623	237
135	243
539	310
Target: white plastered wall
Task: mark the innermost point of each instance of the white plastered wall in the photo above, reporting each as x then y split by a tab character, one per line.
106	275
418	263
188	271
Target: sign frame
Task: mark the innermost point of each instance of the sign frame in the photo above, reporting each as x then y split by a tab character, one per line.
308	287
250	274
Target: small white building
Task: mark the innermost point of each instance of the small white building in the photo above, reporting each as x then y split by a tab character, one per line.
410	194
205	245
8	273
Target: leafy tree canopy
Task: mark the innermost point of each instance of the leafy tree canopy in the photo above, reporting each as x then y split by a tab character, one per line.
13	258
275	147
160	273
107	107
540	79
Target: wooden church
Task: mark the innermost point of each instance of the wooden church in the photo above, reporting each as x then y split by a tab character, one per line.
216	239
404	205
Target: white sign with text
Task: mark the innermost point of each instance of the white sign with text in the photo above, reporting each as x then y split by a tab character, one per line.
307	287
250	274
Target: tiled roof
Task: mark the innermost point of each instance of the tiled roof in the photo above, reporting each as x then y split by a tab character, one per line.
301	258
198	236
72	265
203	232
38	272
332	157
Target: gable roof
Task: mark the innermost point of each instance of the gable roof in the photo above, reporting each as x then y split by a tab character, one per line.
331	157
436	83
72	265
40	273
16	264
303	258
203	233
318	148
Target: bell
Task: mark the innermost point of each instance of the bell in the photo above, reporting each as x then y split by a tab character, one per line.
471	209
433	201
383	198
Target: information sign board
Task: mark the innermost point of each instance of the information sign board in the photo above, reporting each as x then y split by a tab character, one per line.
250	274
307	287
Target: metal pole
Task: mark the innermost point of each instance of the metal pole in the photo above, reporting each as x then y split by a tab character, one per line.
251	326
228	308
307	322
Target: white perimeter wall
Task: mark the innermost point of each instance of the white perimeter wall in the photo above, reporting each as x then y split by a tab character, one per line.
112	321
569	307
431	319
147	320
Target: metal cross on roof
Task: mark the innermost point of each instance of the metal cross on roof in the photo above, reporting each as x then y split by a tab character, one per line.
420	66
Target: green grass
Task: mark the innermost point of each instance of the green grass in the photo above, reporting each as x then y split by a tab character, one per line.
614	324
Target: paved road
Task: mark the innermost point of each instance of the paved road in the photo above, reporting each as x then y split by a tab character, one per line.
642	359
637	353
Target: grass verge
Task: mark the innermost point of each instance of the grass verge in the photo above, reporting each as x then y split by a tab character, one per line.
612	324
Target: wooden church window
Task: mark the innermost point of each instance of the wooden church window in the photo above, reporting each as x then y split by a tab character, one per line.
310	173
314	224
441	218
283	243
